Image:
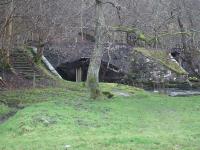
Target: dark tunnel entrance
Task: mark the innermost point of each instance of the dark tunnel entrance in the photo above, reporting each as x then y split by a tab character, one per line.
176	52
77	71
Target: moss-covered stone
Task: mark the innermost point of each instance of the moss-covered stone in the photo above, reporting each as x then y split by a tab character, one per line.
163	58
108	94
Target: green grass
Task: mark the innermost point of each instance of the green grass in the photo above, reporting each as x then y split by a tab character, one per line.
55	117
4	109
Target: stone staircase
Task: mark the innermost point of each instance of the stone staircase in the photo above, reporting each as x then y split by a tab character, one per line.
23	65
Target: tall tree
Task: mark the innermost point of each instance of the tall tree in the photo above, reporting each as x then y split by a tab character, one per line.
6	31
95	62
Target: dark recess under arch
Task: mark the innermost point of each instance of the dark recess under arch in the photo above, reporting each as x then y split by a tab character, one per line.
107	74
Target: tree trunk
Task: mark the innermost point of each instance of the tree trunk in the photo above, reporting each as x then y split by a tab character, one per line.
7	38
183	36
95	62
39	54
187	50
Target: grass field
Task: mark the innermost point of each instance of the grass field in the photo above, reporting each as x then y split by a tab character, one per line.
55	117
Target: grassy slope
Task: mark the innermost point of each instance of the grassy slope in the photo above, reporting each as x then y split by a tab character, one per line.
4	109
143	121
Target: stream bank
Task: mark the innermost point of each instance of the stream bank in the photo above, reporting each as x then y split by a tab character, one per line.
173	88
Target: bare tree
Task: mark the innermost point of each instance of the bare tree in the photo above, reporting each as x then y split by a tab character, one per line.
6	31
95	62
100	39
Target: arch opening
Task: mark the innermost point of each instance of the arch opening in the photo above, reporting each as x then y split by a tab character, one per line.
76	71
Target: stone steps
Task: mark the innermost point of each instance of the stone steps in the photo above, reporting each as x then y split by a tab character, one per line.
16	64
23	66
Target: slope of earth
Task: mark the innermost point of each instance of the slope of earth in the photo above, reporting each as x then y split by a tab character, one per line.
134	119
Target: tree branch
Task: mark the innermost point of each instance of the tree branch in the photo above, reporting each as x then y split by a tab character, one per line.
2	2
118	8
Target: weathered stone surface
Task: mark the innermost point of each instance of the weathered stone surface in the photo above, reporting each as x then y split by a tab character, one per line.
146	69
137	66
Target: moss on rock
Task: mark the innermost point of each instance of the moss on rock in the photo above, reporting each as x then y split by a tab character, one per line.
163	58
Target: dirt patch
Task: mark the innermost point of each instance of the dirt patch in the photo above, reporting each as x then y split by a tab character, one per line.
13	81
